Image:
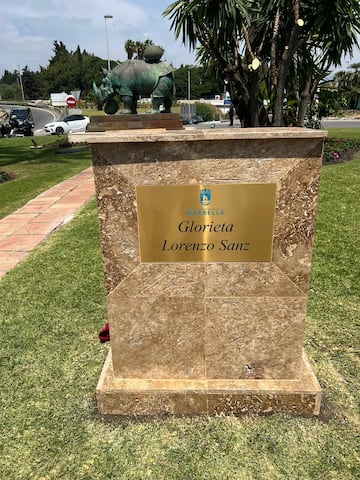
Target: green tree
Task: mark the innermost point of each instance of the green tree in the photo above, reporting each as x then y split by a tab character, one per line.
66	71
203	82
332	102
136	48
130	48
60	69
69	71
33	84
9	91
272	53
348	84
60	53
9	77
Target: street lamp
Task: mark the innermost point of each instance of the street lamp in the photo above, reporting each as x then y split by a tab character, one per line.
225	88
21	86
107	40
189	92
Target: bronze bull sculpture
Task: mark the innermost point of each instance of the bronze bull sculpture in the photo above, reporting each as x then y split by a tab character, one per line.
133	78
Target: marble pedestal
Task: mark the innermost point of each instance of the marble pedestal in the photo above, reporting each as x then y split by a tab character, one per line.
204	337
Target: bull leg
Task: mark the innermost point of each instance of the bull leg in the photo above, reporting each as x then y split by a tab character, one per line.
130	104
167	104
162	95
156	103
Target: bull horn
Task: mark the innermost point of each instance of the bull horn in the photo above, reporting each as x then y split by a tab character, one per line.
95	88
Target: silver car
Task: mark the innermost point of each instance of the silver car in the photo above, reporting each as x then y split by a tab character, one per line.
67	124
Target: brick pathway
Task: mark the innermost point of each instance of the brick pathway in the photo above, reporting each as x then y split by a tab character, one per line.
23	230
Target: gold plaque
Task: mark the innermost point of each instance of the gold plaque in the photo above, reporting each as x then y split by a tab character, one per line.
206	223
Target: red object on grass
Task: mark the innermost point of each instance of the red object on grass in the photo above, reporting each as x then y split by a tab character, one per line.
104	335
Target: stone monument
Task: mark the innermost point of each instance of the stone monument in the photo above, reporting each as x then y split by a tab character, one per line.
207	239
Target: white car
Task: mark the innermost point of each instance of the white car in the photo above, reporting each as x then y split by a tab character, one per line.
67	124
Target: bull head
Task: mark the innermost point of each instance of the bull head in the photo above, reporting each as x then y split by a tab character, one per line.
104	91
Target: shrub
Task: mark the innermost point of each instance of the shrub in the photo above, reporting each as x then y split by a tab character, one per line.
4	177
205	111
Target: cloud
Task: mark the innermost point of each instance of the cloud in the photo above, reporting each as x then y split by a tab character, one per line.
28	29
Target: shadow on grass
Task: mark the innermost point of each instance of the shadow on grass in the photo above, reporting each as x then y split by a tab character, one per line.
15	151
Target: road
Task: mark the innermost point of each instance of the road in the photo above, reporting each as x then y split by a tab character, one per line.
340	123
325	124
41	116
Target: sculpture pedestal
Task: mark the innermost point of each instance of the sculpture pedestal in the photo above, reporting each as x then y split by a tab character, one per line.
101	123
207	239
144	397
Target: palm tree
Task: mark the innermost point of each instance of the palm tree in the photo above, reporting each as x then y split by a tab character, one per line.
275	50
349	83
130	48
136	47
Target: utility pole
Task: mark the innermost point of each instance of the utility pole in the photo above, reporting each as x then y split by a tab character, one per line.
107	41
189	92
21	85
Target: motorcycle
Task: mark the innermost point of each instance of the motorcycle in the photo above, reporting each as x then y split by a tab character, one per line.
16	128
5	130
23	129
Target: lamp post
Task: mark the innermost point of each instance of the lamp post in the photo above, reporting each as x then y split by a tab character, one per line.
189	92
21	86
225	88
107	40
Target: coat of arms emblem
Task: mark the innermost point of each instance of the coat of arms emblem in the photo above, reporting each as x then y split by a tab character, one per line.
205	196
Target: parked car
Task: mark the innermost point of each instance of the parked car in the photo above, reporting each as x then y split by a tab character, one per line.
193	119
21	114
196	119
184	119
67	124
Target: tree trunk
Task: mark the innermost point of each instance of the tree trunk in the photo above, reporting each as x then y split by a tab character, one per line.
286	59
279	100
254	102
305	97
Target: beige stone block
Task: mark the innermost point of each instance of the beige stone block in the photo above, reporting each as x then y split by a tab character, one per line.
254	337
295	217
144	398
208	337
158	337
248	279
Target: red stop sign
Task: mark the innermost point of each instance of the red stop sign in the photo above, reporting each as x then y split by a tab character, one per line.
70	102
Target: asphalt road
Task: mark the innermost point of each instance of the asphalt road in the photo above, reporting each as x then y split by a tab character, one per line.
42	116
340	123
325	124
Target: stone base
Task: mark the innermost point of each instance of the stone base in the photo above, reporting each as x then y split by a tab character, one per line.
167	121
150	397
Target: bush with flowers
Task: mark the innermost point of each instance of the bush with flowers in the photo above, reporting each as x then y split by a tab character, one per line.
338	150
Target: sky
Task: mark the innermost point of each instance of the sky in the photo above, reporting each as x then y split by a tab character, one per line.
28	29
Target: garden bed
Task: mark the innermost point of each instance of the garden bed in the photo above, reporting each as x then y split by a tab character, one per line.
339	150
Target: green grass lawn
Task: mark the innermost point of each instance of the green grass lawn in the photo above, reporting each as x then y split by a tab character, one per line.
52	307
35	170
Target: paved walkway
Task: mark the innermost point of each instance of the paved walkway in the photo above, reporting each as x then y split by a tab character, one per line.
23	230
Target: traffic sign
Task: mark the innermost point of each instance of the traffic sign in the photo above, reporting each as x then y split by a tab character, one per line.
71	101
